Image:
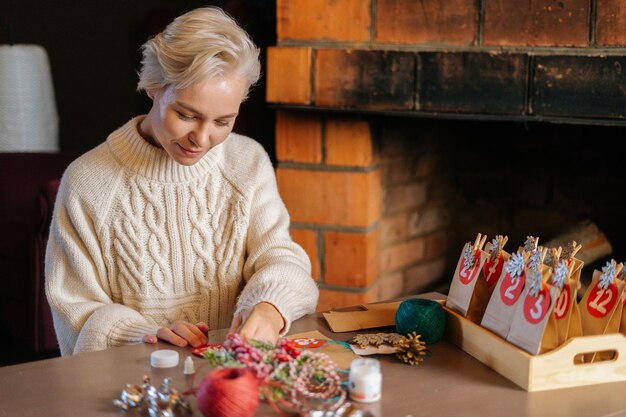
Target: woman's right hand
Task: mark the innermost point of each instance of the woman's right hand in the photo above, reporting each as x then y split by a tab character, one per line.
181	333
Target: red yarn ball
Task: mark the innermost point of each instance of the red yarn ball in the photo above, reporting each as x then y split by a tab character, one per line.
228	392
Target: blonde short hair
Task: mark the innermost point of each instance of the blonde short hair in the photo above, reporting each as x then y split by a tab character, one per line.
202	43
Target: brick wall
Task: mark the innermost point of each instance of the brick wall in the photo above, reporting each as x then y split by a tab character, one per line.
414	226
373	199
330	179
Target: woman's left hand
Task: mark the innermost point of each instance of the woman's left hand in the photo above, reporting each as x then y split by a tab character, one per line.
263	322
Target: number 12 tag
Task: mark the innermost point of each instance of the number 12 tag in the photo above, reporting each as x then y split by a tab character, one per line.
601	301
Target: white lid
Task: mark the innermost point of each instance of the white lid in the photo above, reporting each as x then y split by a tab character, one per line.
164	358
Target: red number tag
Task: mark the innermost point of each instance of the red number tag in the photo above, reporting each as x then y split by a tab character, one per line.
467	275
302	343
493	269
535	308
511	288
562	302
601	301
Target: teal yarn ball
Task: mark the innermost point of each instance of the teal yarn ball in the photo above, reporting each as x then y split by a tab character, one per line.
425	317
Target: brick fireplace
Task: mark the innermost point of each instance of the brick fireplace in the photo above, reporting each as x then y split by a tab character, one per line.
405	127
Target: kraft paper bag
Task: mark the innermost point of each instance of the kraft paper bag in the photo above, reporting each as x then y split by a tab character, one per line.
496	258
622	276
488	276
601	306
566	311
502	304
534	327
463	293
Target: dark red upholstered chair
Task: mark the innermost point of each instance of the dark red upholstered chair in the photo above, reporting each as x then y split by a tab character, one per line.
28	185
43	336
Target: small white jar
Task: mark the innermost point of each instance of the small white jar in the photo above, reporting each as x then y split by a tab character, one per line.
366	380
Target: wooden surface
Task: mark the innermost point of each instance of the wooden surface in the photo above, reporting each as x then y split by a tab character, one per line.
449	383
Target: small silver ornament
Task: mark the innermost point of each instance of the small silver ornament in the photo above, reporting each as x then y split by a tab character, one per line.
159	403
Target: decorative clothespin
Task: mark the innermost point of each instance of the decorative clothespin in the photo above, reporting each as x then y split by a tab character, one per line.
530	245
469	252
515	266
536	258
552	257
570	250
495	247
608	274
560	274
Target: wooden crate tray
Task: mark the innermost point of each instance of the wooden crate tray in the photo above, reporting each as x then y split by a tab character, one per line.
551	370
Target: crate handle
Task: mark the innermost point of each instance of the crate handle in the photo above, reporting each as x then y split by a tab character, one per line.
588	346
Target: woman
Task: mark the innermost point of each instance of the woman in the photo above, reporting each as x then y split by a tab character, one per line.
174	225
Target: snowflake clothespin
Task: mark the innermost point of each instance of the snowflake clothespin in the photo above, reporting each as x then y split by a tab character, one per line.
496	246
552	257
469	259
530	245
608	274
570	250
536	257
535	283
560	274
515	266
621	274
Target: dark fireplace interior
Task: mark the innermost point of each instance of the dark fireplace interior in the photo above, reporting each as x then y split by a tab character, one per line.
519	179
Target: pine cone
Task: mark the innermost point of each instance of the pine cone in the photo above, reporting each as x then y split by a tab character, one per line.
411	349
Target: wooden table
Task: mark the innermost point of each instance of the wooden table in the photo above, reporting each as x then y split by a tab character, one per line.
449	383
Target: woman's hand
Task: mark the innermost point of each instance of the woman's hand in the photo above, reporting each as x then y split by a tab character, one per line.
263	323
181	333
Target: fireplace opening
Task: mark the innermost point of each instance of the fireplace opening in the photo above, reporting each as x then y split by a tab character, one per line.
508	178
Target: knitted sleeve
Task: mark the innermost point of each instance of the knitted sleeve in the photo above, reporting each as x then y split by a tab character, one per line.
276	269
85	317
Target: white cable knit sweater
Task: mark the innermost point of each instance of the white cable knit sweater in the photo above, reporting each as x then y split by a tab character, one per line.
138	241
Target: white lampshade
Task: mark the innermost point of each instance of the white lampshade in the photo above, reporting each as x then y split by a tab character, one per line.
28	114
